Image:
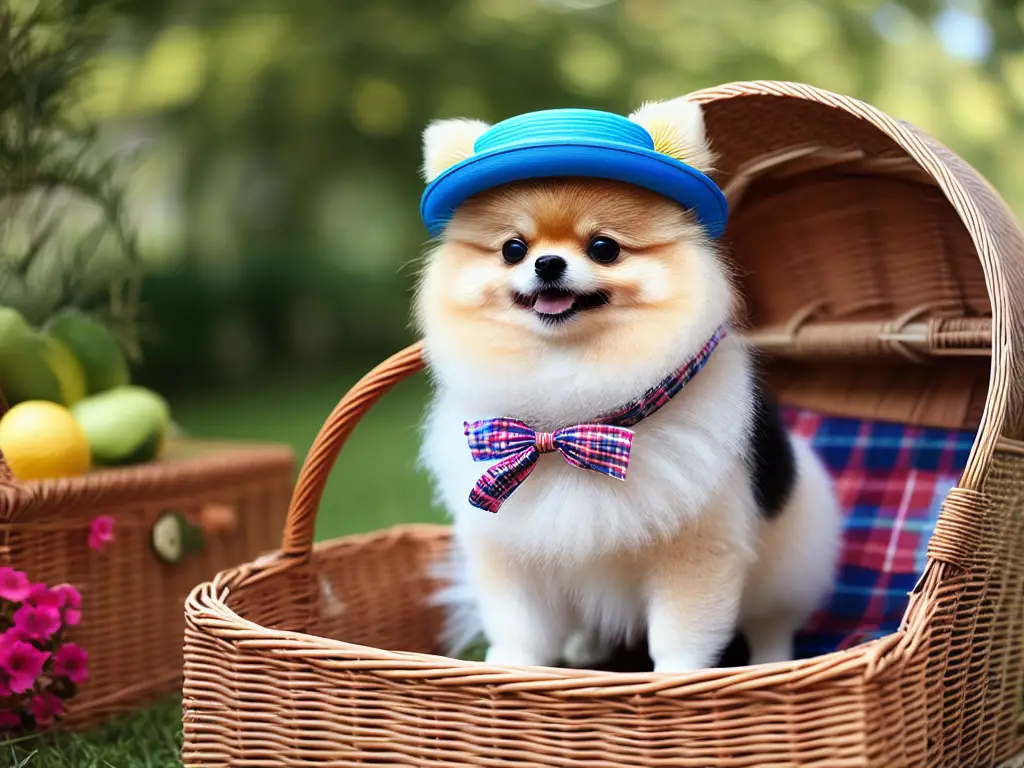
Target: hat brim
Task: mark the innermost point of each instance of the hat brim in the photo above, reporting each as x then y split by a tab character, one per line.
651	170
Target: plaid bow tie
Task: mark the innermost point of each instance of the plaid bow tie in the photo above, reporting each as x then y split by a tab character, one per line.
599	447
602	446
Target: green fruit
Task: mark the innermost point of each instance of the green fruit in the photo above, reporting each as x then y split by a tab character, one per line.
20	364
66	368
125	425
95	347
34	366
12	325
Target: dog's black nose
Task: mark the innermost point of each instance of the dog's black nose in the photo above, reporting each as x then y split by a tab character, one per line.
549	268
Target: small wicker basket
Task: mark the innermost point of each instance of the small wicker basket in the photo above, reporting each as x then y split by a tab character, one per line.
132	590
884	279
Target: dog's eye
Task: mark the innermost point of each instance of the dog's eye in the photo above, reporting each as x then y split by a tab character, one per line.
603	250
514	250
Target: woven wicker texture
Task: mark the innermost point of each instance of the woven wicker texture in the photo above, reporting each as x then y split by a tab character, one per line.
132	622
883	279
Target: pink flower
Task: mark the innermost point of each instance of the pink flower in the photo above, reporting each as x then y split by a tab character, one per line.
101	532
37	623
14	585
42	595
22	662
12	634
5	689
69	661
9	721
72	601
45	707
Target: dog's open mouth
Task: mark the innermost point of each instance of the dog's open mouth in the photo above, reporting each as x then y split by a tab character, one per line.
559	304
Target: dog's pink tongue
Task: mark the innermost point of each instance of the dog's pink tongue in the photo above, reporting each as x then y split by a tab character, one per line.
552	302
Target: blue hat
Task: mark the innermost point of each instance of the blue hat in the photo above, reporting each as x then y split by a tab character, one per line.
571	142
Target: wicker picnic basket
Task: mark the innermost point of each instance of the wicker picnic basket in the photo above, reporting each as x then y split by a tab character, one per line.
132	591
884	281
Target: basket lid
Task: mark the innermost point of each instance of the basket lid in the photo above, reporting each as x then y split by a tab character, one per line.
862	240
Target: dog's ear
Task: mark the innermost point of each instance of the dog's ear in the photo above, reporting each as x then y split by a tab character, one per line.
677	127
447	142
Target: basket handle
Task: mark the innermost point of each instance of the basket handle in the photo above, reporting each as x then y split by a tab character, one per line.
316	469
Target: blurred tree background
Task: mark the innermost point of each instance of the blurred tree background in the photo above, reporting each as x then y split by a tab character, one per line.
275	145
267	157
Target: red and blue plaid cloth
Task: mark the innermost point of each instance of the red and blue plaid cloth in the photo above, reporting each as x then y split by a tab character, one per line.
602	446
891	480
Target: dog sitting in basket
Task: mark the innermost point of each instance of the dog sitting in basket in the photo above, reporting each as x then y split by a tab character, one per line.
616	473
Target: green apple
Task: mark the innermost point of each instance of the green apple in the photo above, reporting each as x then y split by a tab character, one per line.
124	425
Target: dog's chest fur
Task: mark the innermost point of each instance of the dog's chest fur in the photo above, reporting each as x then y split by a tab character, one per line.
573	526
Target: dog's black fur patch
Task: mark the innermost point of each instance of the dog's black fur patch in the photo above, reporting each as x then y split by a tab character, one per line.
772	463
637	658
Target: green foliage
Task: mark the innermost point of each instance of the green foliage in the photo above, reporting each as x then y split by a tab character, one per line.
149	739
375	483
64	235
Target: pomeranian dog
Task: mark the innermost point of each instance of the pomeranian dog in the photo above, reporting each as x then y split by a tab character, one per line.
549	302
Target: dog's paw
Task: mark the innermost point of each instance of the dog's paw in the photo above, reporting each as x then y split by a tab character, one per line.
681	663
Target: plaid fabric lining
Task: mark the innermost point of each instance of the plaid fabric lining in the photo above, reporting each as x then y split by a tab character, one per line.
891	480
602	446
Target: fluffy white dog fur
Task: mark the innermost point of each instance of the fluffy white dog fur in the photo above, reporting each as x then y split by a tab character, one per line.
575	562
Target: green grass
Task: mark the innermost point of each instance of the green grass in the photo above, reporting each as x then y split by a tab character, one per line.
149	739
374	484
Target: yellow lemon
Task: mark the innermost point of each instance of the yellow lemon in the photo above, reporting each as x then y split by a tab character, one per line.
41	440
